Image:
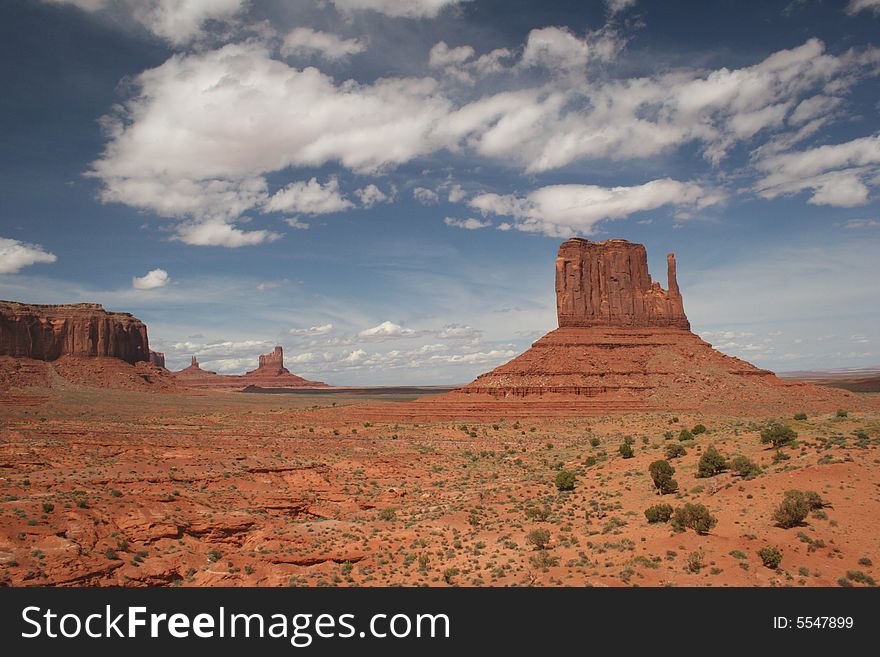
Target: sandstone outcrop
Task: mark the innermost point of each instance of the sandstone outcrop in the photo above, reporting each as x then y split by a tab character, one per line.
47	332
157	358
623	344
607	284
270	373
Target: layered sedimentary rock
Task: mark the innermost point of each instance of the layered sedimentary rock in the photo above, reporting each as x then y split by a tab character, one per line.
157	358
270	373
623	344
47	332
607	284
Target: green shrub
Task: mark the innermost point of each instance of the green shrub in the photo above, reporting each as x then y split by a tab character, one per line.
711	463
860	577
48	507
770	556
565	480
793	509
595	442
800	416
539	538
387	514
778	435
841	413
214	555
685	435
694	562
698	429
693	516
661	472
626	451
674	450
745	467
658	513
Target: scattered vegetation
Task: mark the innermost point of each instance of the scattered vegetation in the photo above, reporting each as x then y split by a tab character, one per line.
771	557
778	435
565	480
693	516
658	513
661	473
711	463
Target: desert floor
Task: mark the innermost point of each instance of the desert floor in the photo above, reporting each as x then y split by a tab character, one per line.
108	487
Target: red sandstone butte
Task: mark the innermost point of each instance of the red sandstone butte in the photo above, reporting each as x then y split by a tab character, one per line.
607	284
270	373
48	332
623	344
157	358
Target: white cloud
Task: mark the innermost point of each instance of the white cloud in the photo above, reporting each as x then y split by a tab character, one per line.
177	21
469	223
218	233
835	173
15	255
271	285
441	55
309	198
371	195
456	194
322	329
425	196
616	6
565	210
387	330
293	222
153	279
855	6
857	224
458	332
398	8
306	41
555	48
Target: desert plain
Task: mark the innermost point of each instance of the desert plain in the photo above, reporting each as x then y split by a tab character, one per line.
121	487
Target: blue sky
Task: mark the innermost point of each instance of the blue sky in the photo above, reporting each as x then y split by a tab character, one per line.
381	186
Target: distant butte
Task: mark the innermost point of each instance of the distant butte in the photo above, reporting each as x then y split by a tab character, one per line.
270	373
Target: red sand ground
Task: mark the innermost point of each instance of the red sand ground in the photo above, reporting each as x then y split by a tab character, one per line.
123	487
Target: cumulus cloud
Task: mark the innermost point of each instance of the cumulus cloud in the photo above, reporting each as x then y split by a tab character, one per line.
835	173
857	224
181	147
458	332
293	222
566	210
855	6
425	196
398	8
616	6
469	224
219	233
15	255
309	197
371	195
153	279
456	194
322	329
387	330
176	21
306	41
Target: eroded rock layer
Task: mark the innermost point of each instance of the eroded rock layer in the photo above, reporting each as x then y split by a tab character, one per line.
271	373
47	332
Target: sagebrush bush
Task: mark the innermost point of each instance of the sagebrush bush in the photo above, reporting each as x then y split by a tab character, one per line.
711	463
658	513
685	435
778	435
693	516
745	467
793	509
565	480
770	556
539	538
800	416
674	450
626	451
698	429
661	473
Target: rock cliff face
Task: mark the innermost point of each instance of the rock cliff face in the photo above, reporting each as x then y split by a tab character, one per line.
607	284
157	358
47	332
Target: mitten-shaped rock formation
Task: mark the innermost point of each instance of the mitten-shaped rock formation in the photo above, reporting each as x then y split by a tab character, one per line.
47	332
623	344
607	284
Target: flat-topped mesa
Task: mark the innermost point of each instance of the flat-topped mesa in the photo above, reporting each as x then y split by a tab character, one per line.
607	284
47	332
